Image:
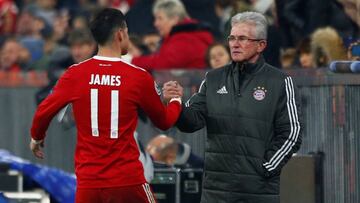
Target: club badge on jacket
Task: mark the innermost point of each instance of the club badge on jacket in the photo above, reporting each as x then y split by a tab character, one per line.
259	93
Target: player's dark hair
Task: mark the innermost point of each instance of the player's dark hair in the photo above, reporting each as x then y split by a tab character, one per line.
105	23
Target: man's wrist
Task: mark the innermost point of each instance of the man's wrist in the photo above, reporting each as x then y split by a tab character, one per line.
36	141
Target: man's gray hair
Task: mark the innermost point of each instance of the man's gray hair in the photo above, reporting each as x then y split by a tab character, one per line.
171	8
253	18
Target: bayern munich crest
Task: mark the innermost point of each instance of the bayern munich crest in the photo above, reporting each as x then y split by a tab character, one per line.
259	93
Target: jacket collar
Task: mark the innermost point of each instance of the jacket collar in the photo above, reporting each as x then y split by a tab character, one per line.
249	68
189	25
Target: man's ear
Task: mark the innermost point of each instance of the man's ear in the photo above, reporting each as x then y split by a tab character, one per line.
119	35
261	46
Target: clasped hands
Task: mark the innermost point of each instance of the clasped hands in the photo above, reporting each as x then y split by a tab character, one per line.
172	89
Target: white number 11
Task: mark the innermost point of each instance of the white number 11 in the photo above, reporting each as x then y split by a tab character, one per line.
114	120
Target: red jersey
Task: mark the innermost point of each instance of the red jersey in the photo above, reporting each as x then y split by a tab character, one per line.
106	93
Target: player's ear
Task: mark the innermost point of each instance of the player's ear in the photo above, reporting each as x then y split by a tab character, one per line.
118	35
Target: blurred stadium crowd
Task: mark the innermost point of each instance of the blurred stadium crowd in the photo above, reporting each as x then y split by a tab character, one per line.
50	35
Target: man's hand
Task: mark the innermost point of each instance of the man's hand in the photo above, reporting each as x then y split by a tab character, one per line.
172	89
35	146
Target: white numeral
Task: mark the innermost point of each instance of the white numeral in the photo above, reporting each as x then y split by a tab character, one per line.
114	120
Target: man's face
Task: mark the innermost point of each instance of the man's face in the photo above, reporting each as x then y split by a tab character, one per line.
82	51
306	60
151	41
244	46
9	54
163	23
219	56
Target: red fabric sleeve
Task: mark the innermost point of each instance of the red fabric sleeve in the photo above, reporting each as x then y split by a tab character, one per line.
162	116
60	96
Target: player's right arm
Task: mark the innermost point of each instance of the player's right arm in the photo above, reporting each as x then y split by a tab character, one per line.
61	95
162	116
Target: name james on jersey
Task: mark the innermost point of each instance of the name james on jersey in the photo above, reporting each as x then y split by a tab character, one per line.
111	80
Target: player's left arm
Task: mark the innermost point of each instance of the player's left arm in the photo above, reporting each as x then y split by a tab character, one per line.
162	116
287	129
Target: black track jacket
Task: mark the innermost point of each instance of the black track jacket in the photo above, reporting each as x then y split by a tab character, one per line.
252	116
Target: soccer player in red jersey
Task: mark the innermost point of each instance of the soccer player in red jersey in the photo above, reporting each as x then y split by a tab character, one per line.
105	93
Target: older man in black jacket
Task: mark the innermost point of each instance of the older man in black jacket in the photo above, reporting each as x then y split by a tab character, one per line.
251	111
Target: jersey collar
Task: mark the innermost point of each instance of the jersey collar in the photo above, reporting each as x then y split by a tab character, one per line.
105	58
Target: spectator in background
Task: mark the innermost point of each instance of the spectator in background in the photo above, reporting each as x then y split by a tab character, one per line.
303	18
217	55
137	47
24	25
306	57
13	56
287	58
30	26
45	9
140	19
327	46
52	50
61	27
166	150
152	41
185	40
79	22
82	47
8	15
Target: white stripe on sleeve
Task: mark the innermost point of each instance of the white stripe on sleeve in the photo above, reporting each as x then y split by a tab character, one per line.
294	124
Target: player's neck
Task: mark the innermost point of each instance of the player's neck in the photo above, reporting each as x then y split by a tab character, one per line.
108	52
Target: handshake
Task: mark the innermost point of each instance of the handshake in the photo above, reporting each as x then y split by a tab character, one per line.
172	89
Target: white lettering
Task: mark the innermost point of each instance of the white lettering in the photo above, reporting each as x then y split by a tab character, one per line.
110	80
91	79
105	80
118	82
97	79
